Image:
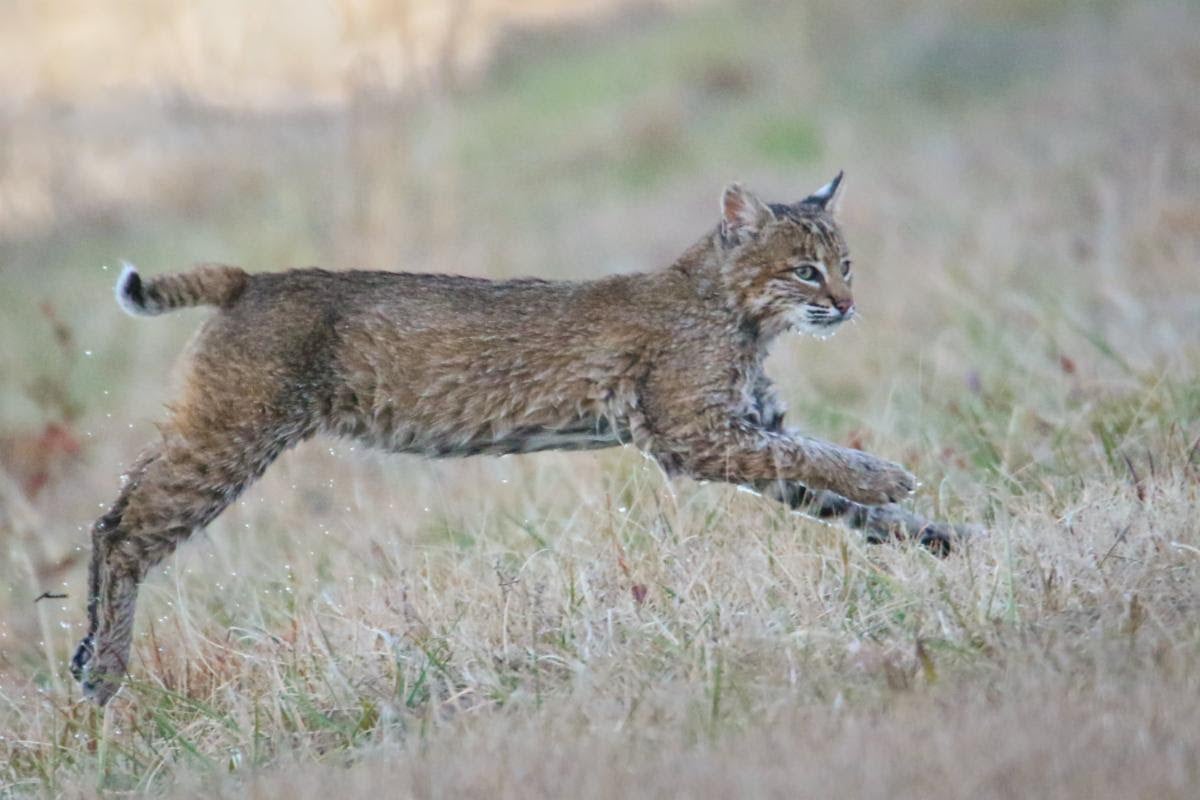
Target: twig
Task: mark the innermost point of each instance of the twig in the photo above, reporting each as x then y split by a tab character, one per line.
49	596
1120	538
1138	488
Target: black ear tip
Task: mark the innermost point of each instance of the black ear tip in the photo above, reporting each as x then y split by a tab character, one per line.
822	197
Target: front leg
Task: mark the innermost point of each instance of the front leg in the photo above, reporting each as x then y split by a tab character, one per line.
739	452
718	419
713	423
772	463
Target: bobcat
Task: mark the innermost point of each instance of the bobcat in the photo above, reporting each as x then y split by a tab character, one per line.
670	362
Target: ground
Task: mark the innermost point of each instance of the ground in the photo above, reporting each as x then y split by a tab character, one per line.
1023	209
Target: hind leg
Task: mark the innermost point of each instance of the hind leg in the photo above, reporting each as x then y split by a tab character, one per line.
175	488
102	533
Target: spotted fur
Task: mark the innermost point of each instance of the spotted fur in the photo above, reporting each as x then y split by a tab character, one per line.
670	362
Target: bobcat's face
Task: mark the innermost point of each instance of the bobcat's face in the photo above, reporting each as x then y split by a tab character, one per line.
786	266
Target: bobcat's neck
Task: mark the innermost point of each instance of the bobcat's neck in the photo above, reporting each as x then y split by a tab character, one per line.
702	264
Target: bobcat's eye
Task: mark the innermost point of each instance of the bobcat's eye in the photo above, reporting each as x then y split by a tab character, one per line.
846	269
807	272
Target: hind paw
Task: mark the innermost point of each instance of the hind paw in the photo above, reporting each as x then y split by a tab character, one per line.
99	676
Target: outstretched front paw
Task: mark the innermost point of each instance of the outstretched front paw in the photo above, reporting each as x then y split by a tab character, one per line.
877	481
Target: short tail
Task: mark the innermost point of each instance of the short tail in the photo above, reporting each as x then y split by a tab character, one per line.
205	285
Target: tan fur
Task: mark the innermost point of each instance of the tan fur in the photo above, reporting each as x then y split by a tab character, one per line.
670	362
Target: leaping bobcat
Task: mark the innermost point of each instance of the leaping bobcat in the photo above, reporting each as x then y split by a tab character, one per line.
670	362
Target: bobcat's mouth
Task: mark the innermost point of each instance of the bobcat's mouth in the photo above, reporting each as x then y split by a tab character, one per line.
819	320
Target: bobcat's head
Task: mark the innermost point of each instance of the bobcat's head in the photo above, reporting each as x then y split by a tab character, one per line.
786	267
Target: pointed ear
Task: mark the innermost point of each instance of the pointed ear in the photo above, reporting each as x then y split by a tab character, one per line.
826	198
742	214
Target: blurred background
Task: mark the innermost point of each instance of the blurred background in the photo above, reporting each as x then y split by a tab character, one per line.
1021	175
1022	204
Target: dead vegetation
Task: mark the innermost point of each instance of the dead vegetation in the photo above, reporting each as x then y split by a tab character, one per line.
1023	209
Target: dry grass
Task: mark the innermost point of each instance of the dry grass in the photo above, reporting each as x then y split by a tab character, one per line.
1024	214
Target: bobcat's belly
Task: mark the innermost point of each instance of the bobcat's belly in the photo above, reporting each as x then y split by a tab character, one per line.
401	434
580	435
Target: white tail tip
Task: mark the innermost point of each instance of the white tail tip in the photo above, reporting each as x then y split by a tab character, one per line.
129	291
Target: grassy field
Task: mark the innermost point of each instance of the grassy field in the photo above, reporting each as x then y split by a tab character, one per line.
1023	206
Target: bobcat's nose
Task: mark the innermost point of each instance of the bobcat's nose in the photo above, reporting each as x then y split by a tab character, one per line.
844	306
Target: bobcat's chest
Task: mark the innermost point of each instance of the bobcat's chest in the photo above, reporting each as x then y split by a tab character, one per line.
757	402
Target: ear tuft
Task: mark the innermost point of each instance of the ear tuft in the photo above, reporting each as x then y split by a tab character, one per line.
742	213
826	198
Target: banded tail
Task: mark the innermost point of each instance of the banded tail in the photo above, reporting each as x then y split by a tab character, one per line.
205	285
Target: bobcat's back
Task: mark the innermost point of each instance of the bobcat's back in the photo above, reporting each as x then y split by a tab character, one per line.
444	365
